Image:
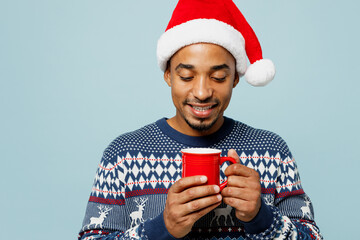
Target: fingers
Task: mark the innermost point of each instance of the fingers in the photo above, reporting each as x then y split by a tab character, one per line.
187	201
246	194
198	192
187	182
246	201
240	170
198	214
200	205
237	169
179	225
194	198
232	153
243	191
244	182
244	210
190	188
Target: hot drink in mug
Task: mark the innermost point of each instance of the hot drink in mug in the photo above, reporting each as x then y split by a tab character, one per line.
204	161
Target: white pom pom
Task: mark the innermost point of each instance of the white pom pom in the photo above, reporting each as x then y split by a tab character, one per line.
260	72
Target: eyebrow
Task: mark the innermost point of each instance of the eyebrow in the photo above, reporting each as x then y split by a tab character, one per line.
219	67
186	66
215	68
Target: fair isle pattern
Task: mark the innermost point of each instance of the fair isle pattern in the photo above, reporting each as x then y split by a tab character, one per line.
131	175
139	167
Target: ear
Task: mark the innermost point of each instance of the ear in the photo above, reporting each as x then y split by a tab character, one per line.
236	79
167	76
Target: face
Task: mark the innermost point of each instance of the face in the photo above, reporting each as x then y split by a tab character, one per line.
202	77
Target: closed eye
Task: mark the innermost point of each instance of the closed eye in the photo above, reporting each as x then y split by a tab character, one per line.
220	79
186	78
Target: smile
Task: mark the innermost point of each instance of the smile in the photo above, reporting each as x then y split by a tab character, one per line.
201	109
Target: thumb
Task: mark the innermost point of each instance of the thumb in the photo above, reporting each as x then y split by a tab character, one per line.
232	153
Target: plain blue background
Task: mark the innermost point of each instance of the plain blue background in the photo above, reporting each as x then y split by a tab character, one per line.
76	74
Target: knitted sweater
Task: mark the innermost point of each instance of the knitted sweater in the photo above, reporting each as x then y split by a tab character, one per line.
137	169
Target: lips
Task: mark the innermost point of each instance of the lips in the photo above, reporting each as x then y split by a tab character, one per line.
202	111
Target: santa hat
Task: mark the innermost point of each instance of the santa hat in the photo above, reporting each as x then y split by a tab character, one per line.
219	22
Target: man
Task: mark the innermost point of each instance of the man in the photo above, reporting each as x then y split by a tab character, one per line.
138	191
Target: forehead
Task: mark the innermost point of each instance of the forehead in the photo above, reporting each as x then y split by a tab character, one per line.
203	54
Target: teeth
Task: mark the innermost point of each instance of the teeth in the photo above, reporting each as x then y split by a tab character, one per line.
202	109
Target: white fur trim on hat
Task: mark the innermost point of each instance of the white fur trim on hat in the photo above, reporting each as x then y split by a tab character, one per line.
260	72
205	31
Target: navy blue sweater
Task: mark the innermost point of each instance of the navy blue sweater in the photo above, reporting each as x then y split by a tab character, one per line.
137	169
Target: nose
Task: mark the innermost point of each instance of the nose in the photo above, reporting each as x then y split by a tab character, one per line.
202	90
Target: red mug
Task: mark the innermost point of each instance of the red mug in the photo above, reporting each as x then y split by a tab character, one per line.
204	161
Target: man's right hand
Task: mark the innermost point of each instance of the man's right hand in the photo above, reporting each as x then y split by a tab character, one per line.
187	201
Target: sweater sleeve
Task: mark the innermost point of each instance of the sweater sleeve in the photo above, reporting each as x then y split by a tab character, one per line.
151	229
292	211
107	215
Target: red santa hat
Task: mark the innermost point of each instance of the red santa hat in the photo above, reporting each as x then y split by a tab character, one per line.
219	22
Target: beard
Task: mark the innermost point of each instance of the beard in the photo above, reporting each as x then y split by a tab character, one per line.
201	124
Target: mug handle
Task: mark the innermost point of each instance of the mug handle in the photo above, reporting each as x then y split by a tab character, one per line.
222	160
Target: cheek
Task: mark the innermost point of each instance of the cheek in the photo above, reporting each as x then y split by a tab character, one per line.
178	95
175	96
179	91
225	95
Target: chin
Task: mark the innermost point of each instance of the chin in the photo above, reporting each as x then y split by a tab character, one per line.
201	125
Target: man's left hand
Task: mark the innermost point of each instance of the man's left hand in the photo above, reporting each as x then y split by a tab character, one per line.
243	191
